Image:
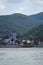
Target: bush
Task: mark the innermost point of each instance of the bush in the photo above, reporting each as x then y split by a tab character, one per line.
2	43
25	44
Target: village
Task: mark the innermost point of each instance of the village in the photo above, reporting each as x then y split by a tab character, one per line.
14	42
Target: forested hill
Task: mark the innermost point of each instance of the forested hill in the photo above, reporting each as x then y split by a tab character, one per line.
38	16
19	22
36	33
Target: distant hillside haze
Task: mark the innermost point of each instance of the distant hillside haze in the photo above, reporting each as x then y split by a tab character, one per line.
19	22
38	16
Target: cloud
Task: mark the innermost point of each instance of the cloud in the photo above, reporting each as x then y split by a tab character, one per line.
41	2
38	1
14	1
2	6
21	6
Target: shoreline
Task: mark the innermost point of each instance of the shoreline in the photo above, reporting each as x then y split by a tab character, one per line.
18	46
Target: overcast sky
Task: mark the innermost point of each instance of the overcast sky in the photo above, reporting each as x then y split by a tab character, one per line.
27	7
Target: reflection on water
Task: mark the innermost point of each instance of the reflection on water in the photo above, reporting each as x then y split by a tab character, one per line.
21	56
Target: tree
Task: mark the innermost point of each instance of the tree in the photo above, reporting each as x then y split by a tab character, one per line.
25	44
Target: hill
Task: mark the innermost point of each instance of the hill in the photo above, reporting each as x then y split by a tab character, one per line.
18	22
38	16
35	34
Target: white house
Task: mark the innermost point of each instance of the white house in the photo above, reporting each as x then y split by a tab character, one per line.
12	39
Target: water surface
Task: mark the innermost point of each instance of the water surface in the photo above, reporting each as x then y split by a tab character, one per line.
21	56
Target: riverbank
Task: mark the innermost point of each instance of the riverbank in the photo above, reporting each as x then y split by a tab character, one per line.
19	46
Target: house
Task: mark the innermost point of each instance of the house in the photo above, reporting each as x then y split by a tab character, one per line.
30	42
23	41
12	39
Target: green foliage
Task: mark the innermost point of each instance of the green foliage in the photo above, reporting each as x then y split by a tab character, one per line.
6	37
2	36
18	22
35	34
25	44
2	43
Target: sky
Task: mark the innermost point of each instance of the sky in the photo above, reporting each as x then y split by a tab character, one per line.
27	7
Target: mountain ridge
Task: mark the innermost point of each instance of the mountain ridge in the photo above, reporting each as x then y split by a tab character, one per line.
18	22
38	16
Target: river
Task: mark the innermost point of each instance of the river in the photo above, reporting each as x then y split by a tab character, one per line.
21	56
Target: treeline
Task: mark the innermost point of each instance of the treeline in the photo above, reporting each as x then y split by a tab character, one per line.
34	34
